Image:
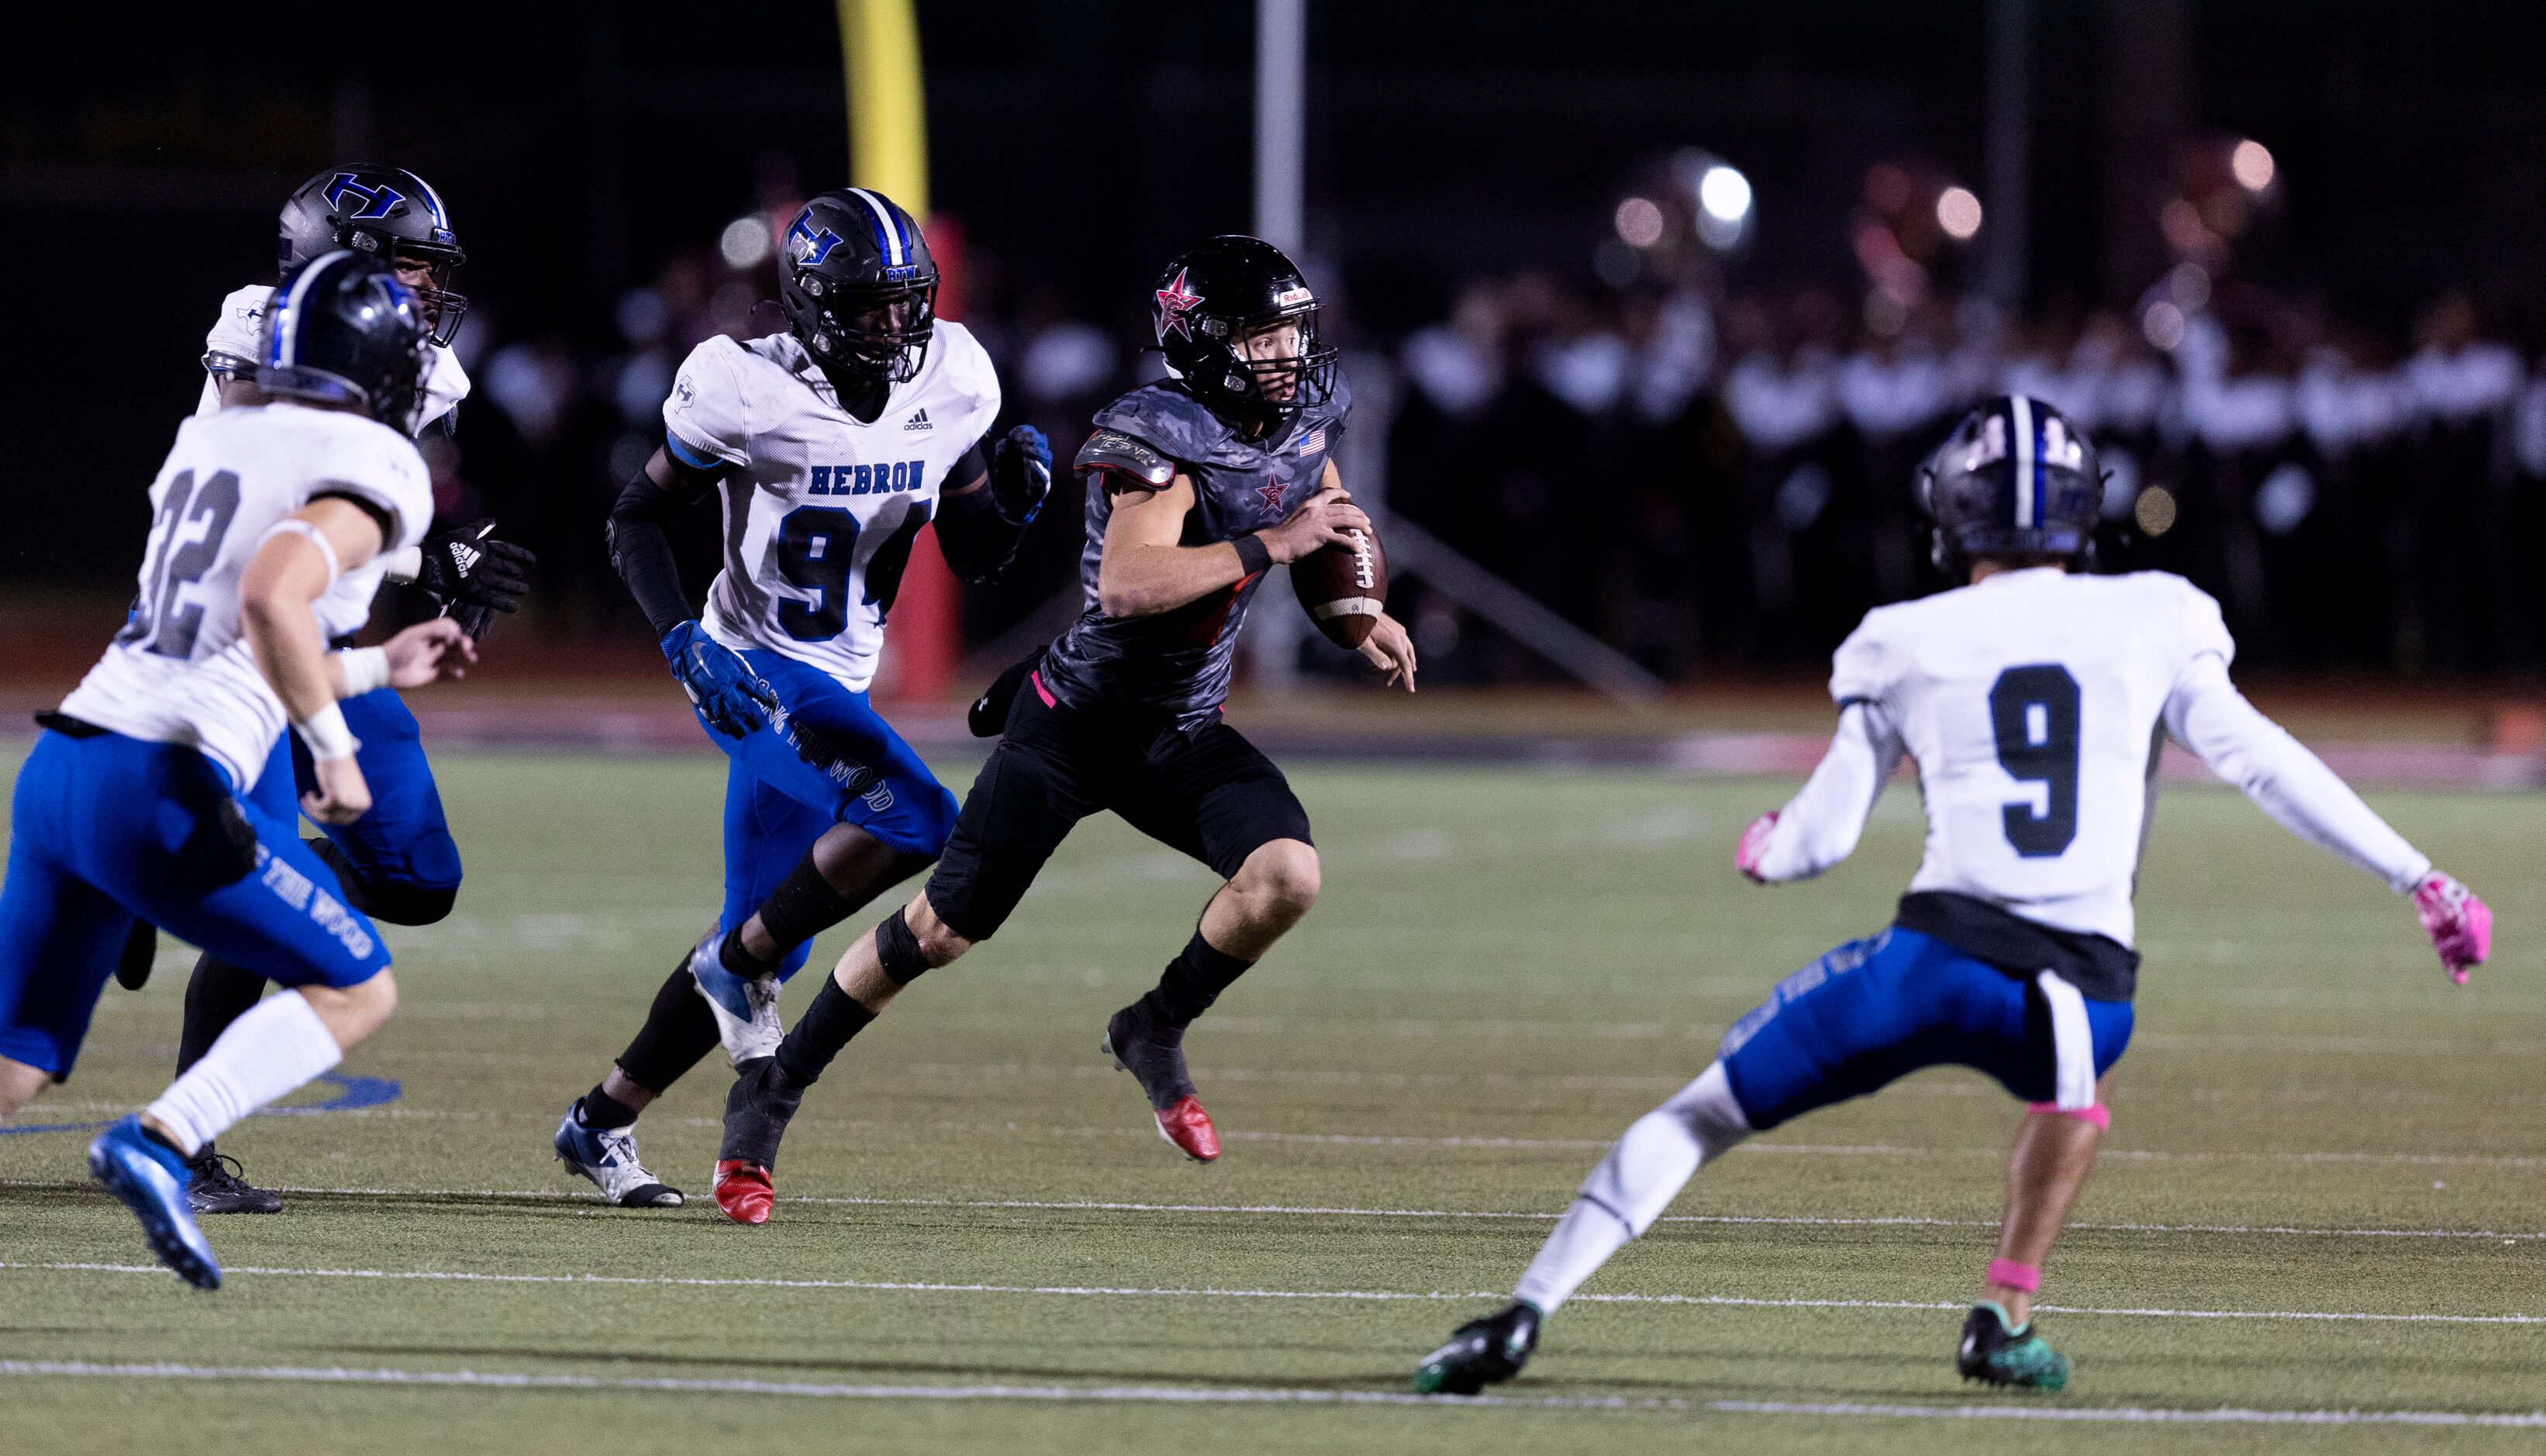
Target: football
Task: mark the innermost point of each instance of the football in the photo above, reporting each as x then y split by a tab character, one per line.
1343	588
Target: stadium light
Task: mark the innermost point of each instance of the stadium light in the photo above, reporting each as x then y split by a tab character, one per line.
1724	195
1640	223
744	243
1958	211
2251	161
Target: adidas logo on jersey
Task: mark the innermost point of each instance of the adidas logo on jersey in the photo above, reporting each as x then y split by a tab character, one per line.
919	421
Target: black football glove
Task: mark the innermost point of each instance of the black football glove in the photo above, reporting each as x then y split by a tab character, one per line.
1020	475
474	575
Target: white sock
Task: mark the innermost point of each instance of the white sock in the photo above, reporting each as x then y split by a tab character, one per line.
1634	1184
274	1048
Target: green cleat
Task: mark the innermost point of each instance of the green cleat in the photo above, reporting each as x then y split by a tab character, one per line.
1483	1352
2019	1356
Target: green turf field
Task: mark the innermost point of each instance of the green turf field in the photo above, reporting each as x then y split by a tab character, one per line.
2322	1192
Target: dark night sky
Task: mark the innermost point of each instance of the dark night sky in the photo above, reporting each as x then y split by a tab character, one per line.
141	162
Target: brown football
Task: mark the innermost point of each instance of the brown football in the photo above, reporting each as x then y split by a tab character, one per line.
1343	588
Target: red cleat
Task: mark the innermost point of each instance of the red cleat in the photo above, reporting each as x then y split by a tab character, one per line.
1189	1128
744	1190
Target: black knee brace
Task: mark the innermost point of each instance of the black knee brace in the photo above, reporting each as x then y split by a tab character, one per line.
390	901
899	949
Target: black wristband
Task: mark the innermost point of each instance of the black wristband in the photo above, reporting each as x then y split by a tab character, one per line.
1253	556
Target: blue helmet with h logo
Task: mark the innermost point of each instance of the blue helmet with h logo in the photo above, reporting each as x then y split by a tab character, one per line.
2015	480
858	286
343	330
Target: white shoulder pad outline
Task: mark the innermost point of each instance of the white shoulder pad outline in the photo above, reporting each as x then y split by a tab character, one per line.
1112	450
682	408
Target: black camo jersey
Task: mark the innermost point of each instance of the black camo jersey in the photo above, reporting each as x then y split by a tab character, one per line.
1175	665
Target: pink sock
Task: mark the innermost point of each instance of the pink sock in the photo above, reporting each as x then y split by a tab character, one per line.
2100	1115
2014	1275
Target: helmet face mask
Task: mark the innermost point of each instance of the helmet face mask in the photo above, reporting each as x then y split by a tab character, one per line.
1239	326
859	288
389	215
2015	480
877	334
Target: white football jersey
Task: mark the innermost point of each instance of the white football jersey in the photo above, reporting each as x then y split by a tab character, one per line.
2031	703
239	333
821	512
180	671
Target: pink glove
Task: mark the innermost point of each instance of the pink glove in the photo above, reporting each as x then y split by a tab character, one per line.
1754	843
2459	924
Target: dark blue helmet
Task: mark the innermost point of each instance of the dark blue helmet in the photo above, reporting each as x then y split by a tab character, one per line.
343	329
386	214
858	286
2015	478
1210	300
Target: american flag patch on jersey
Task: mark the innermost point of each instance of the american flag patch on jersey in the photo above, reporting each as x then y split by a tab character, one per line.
1314	441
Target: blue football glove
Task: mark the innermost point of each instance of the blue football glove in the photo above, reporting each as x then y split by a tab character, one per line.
1020	475
733	698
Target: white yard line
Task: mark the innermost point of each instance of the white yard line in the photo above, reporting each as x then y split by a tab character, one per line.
1247	1396
1295	1210
1373	1296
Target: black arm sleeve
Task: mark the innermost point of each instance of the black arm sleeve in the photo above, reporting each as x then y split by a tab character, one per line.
642	552
977	541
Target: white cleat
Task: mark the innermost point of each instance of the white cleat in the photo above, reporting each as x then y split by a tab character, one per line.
746	1011
608	1156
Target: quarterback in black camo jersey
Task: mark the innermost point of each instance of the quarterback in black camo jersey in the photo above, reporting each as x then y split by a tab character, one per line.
1194	484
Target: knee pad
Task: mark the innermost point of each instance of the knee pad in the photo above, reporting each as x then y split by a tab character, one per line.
396	901
899	949
1653	1160
1710	1112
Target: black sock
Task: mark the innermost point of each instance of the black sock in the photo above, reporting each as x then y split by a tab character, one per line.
599	1110
154	1135
820	1033
1193	980
804	906
757	1109
219	994
678	1034
732	957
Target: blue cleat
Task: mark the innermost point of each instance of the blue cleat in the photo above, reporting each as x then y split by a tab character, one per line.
608	1156
149	1178
746	1011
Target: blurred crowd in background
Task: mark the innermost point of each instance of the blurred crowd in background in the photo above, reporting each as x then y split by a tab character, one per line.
1705	473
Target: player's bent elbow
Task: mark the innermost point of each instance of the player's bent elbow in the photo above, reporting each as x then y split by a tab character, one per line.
1119	601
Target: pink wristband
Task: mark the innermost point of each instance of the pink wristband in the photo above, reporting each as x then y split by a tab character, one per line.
2100	1115
2014	1275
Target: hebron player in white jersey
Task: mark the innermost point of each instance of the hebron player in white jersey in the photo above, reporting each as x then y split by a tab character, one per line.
140	802
2030	700
829	447
399	863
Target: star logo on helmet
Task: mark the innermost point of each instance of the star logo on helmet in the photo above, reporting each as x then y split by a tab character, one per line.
1175	301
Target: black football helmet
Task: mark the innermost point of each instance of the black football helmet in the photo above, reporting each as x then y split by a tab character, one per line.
858	286
343	329
1216	295
386	214
2015	478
